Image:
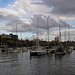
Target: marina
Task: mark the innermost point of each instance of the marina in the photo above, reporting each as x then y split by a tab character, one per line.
22	64
37	37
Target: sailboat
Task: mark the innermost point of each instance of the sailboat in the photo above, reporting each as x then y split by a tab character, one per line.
37	50
24	49
16	49
49	50
60	49
67	47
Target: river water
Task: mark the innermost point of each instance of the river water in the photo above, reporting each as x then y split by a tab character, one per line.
23	64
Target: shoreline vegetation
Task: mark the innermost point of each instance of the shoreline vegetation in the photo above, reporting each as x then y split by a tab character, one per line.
30	43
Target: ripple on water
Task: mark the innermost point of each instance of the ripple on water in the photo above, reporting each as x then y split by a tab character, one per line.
22	64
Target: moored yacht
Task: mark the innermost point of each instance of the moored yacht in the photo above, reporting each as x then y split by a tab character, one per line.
4	48
60	51
68	49
35	51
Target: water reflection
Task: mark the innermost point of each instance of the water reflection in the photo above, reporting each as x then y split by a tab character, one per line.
22	64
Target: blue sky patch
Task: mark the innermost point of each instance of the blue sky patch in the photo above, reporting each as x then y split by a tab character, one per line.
4	3
71	22
5	22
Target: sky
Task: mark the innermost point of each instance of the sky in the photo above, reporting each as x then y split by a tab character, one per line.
44	15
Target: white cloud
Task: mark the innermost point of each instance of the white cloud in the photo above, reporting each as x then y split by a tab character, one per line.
17	12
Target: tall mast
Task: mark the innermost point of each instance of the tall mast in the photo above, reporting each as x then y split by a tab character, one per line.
59	34
48	30
16	29
65	37
68	33
37	41
16	34
21	35
33	39
21	40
